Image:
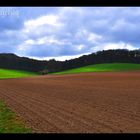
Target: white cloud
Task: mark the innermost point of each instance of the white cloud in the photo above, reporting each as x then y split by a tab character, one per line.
86	35
43	20
30	42
111	46
60	58
47	40
92	37
121	24
80	47
50	40
42	25
120	45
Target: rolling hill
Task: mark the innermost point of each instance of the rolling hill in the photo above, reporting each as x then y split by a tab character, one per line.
6	73
12	61
103	68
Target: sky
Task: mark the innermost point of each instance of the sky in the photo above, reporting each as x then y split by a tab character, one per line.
67	32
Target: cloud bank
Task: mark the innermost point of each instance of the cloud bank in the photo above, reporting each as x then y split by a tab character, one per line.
68	32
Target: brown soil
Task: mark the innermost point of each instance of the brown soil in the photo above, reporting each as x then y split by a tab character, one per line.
76	103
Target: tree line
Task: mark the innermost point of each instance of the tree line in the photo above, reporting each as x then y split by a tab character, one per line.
12	61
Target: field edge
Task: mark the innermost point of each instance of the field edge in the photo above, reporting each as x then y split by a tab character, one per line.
10	122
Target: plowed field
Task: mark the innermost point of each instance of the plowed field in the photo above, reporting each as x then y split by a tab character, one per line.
76	103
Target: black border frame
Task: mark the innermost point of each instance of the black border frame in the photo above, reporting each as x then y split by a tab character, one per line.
75	3
69	3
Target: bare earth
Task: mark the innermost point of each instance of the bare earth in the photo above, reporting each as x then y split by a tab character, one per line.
76	103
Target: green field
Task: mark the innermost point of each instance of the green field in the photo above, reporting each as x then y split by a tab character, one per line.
6	73
103	68
9	123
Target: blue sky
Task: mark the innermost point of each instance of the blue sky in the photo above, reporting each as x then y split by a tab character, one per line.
67	32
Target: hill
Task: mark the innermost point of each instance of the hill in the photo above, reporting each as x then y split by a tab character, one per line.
12	61
103	68
5	73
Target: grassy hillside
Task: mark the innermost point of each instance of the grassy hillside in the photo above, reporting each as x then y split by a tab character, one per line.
5	73
103	68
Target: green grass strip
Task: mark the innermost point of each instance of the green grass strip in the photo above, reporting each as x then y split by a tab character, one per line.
9	123
6	73
108	67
